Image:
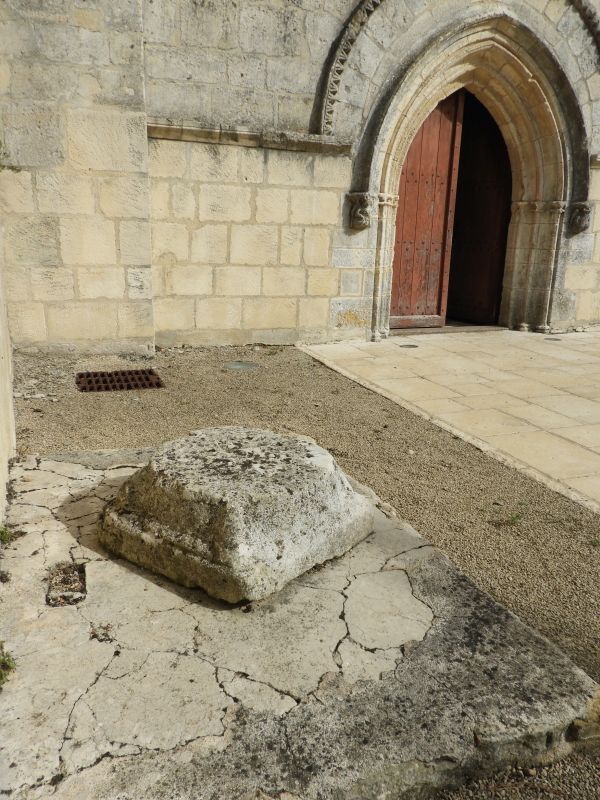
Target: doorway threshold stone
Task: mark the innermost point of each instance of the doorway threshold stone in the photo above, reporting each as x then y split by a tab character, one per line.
385	672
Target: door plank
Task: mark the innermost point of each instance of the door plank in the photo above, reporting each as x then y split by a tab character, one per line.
426	192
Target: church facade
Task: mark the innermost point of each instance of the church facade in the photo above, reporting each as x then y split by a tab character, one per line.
221	172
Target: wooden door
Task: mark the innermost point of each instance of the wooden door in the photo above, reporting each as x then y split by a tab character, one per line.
483	202
425	219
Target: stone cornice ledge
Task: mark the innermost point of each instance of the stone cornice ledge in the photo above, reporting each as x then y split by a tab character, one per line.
274	140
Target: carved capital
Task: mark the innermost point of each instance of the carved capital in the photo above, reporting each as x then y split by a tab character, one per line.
580	218
389	200
360	210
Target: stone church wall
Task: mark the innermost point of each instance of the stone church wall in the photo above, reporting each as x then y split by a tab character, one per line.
233	243
75	201
243	245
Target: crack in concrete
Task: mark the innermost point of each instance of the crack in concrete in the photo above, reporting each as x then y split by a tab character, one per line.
221	681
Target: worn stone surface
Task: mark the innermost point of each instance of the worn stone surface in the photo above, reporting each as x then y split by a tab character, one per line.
236	511
148	690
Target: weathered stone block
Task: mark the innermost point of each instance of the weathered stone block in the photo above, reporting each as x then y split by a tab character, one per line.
254	244
316	247
87	240
273	31
51	283
107	140
75	45
333	172
351	282
96	282
248	72
139	283
224	204
272	205
183	201
289	169
199	23
238	281
323	282
77	320
252	165
170	237
124	197
27	322
263	313
160	197
209	244
167	159
174	313
33	136
65	194
313	312
239	512
284	281
291	246
135	320
32	240
16	193
310	207
134	242
218	163
218	313
189	279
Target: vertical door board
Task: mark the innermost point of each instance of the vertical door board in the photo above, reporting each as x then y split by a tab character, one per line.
424	223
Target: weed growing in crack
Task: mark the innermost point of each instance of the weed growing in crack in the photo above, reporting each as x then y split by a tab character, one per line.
5	536
7	664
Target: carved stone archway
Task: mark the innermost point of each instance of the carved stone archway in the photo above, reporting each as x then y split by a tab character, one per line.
494	59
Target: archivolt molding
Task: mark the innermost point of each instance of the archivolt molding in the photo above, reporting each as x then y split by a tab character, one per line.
532	120
591	19
358	20
354	25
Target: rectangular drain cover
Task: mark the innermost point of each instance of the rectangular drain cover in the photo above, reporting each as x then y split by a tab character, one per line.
118	380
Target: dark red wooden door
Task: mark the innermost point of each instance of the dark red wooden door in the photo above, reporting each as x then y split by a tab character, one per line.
425	219
483	201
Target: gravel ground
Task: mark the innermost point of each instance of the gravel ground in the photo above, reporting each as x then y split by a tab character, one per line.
536	552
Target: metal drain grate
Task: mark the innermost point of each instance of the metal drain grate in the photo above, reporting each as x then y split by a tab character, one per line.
117	381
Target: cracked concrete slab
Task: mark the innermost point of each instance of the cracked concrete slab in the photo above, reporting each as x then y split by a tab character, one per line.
381	673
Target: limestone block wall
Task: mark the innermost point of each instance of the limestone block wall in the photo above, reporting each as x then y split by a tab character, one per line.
244	243
74	193
258	66
582	274
247	243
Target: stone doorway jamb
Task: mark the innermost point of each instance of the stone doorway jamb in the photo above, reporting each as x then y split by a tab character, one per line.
493	60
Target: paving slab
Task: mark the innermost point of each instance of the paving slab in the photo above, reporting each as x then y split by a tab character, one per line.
378	674
529	400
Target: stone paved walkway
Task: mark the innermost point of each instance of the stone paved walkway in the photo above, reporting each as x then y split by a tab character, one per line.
531	400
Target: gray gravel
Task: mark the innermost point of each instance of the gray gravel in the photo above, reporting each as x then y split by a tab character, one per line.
535	551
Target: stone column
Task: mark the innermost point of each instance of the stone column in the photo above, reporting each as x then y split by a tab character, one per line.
530	264
386	230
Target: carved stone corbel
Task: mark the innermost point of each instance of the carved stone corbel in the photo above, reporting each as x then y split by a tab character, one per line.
580	218
361	204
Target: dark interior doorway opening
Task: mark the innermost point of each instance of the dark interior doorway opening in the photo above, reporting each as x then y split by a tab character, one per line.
481	221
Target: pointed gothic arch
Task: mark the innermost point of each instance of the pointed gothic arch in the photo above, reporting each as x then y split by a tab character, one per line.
507	68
